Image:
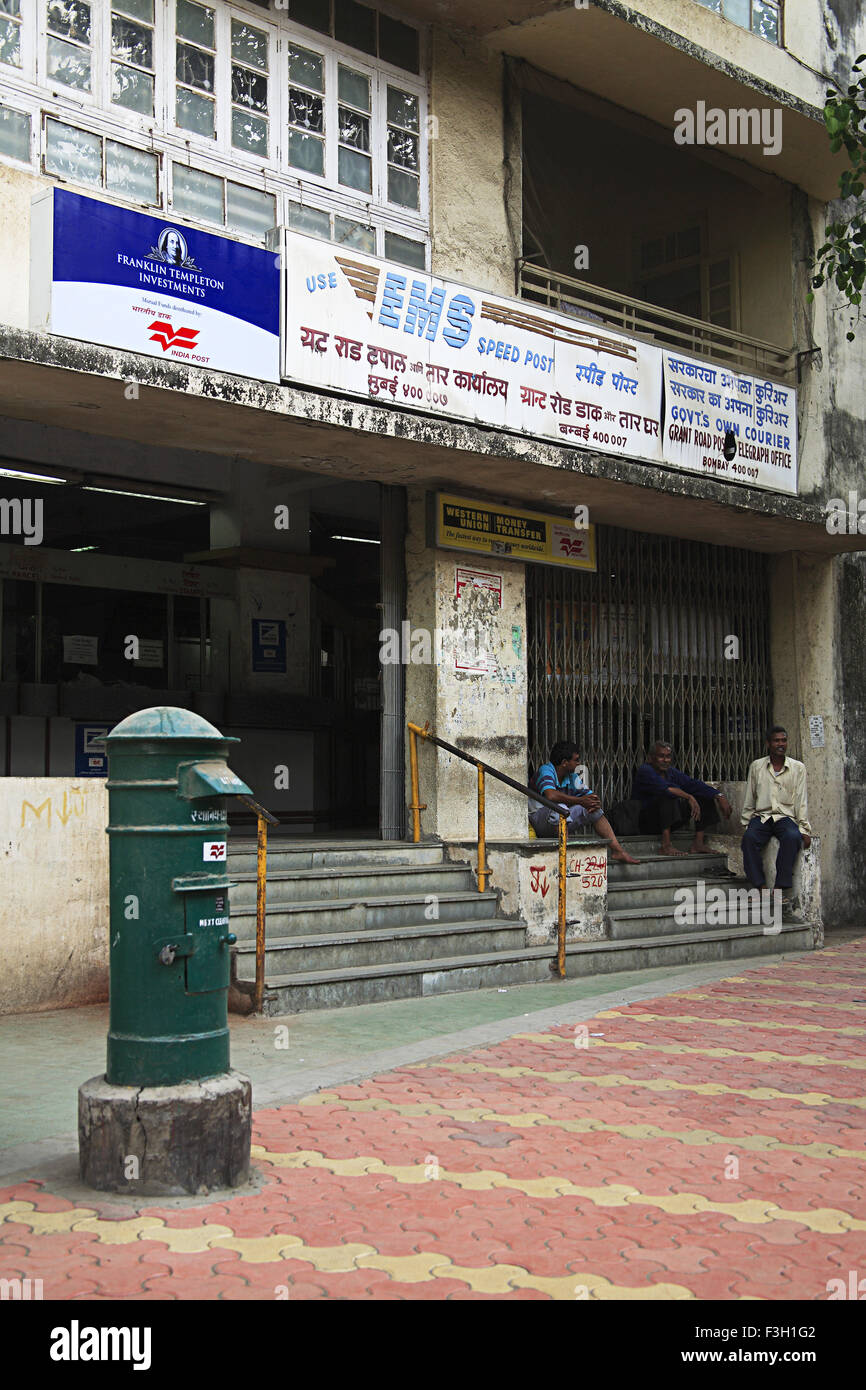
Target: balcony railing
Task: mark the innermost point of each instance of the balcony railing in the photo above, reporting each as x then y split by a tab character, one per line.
581	300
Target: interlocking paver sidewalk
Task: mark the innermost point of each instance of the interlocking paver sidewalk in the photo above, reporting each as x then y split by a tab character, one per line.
705	1144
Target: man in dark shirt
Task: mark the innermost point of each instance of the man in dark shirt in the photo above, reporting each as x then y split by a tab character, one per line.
669	799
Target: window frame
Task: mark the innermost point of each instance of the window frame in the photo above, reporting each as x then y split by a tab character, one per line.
749	28
27	91
702	259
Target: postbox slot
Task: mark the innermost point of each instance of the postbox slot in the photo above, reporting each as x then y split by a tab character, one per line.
209	779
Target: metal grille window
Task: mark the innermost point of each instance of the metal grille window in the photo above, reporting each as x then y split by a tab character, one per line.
642	649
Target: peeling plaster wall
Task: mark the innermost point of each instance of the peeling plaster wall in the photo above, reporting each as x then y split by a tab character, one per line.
806	680
483	714
835	636
53	892
16	190
772	64
475	207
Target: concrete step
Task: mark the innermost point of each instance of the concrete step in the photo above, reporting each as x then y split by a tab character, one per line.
348	950
372	984
351	881
661	892
313	918
660	921
286	853
652	866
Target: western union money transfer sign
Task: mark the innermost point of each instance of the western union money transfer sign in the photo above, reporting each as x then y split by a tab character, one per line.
511	533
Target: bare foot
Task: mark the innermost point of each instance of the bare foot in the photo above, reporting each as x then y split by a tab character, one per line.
674	853
623	857
695	848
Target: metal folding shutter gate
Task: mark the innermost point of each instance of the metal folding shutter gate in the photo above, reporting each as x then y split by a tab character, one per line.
668	639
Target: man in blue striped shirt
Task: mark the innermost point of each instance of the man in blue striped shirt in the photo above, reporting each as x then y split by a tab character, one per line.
557	780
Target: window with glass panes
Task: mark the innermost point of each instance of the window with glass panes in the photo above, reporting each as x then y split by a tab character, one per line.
132	55
69	56
241	115
83	156
306	149
10	32
195	68
763	17
249	82
336	111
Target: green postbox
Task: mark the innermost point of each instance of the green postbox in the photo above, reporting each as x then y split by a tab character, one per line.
169	785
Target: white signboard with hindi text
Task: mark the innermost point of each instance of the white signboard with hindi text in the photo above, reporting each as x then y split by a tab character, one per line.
400	337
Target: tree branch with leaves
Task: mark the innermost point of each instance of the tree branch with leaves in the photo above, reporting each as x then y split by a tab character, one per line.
841	261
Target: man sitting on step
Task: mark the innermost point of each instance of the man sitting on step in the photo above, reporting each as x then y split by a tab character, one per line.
775	806
670	799
557	780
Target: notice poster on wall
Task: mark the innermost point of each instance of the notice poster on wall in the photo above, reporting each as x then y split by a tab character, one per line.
105	274
91	755
269	645
79	650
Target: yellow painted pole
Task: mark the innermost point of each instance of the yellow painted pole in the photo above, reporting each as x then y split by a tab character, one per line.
261	900
413	763
482	833
563	839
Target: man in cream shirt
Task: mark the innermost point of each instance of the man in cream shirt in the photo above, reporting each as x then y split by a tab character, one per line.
775	805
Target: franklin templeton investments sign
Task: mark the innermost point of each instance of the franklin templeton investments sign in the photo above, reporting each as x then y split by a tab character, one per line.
401	337
105	274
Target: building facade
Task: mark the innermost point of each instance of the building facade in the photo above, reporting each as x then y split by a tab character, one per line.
253	464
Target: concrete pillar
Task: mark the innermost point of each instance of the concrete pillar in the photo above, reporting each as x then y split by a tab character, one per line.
246	518
803	624
473	689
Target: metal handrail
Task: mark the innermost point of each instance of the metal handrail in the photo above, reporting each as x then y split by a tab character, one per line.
640	319
417	806
264	818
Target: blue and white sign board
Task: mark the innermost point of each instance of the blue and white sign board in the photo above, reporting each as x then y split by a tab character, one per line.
269	645
91	757
105	274
398	337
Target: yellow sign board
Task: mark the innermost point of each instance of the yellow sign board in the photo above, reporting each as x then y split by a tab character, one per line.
512	533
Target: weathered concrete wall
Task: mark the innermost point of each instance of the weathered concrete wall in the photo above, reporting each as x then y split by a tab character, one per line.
474	694
53	892
17	187
804	618
772	64
474	196
527	876
846	863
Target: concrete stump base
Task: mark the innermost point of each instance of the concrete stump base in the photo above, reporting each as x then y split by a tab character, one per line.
165	1140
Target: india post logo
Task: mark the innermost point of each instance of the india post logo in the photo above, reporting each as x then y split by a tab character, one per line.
214	850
